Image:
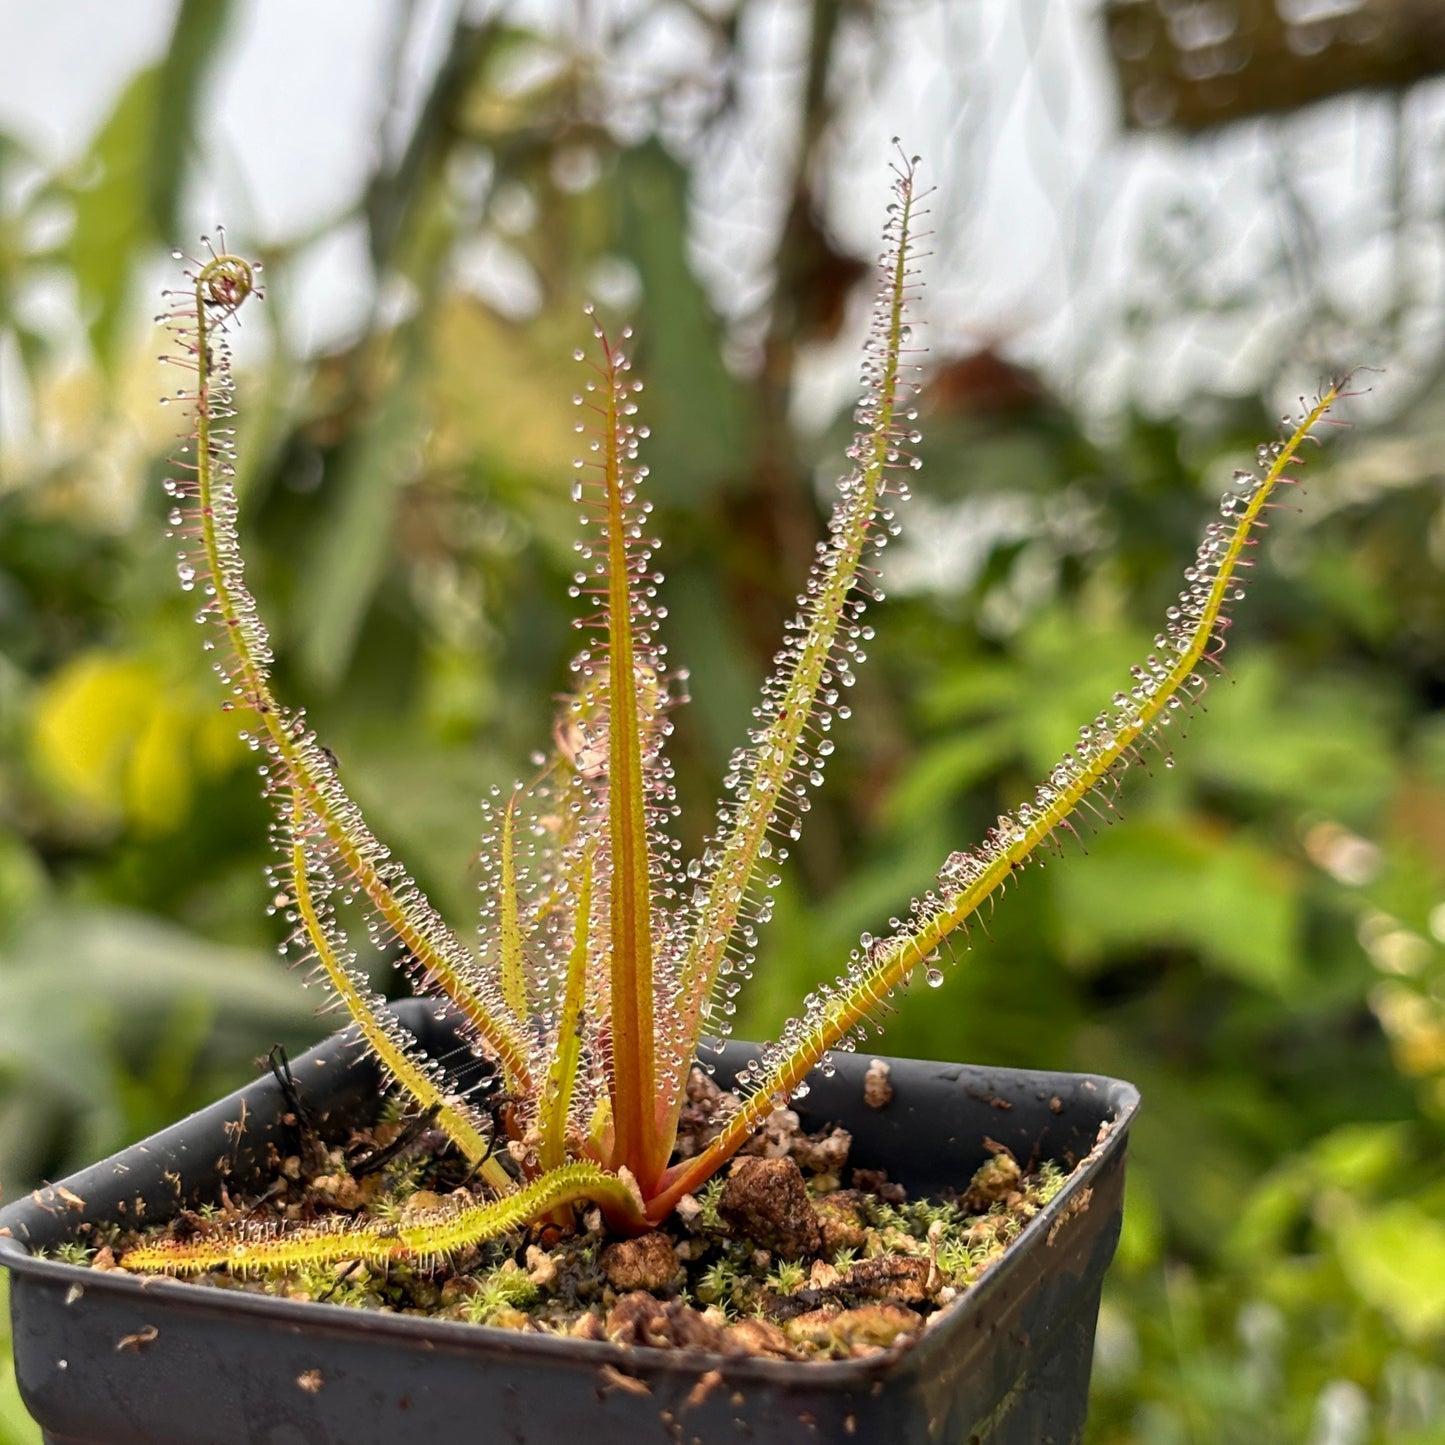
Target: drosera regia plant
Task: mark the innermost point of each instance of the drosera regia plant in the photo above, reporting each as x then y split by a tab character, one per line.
604	958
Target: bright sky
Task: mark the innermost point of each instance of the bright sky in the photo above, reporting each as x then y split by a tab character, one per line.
1039	219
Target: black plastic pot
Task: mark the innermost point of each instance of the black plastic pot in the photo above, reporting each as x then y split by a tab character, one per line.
109	1359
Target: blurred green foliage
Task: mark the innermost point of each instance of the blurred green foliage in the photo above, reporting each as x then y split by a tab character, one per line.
15	1425
1258	946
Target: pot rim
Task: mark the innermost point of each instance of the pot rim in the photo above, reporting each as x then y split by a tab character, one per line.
459	1337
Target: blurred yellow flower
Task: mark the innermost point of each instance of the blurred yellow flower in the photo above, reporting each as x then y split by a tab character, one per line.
112	734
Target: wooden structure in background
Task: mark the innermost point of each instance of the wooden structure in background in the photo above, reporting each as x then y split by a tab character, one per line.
1192	64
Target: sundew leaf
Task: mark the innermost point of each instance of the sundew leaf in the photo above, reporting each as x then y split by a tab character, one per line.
771	780
623	667
428	1239
388	1041
301	774
556	1109
602	959
1166	686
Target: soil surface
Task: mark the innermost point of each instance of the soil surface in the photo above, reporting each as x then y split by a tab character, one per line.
789	1254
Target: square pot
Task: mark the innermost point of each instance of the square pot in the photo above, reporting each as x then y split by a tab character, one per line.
113	1359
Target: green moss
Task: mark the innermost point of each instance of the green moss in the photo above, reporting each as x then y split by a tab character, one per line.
498	1293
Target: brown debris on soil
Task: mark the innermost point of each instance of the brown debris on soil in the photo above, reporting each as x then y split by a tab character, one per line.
639	1318
766	1200
899	1277
649	1262
763	1339
876	1181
